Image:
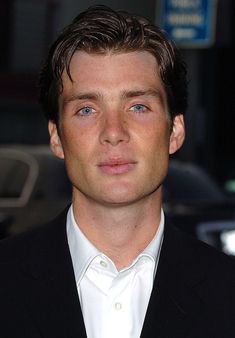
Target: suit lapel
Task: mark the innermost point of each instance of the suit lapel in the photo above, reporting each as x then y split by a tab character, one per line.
174	304
51	293
52	297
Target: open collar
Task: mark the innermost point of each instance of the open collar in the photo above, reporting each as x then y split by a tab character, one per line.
83	252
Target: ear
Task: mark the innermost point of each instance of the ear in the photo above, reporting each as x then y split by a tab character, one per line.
177	134
55	142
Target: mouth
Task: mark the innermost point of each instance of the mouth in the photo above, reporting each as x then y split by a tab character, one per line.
117	167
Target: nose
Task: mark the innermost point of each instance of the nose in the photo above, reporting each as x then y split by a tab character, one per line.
114	129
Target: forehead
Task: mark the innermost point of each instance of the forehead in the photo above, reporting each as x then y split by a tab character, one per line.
112	72
113	55
139	61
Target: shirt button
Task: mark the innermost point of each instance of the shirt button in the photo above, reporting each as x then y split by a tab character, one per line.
118	306
103	264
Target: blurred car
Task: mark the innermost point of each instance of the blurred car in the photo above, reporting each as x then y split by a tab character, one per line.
34	187
199	206
220	234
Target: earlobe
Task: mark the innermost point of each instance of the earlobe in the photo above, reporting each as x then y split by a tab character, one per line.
177	134
55	143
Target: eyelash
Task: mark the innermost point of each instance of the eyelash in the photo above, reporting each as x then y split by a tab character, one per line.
86	113
83	111
139	105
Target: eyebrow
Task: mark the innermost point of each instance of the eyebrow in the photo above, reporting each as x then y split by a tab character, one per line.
148	92
126	94
83	96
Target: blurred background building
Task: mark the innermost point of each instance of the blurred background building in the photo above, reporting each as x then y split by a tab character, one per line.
27	28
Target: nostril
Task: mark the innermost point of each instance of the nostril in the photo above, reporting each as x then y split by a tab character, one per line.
114	132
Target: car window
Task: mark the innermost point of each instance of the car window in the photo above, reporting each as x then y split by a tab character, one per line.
18	173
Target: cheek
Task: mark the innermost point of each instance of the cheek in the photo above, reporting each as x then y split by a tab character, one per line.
71	137
157	139
78	151
157	153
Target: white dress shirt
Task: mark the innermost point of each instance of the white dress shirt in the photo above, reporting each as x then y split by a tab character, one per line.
113	302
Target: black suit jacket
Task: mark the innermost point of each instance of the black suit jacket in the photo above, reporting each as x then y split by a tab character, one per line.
192	297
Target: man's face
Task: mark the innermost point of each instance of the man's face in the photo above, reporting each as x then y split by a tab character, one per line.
115	132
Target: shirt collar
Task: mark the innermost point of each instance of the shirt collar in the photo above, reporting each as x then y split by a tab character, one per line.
154	246
83	251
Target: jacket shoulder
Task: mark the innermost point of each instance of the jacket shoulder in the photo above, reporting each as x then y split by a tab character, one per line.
183	250
17	247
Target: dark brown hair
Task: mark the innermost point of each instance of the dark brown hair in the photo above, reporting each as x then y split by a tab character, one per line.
100	29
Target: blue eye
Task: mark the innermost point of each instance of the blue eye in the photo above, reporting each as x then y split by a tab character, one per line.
139	108
86	111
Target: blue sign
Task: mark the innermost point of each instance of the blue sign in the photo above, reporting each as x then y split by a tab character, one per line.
190	23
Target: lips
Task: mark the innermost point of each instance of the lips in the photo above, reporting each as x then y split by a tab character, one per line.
116	166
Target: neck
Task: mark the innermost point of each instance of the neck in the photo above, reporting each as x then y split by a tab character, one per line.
120	232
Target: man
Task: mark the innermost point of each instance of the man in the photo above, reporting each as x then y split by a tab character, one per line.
114	92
